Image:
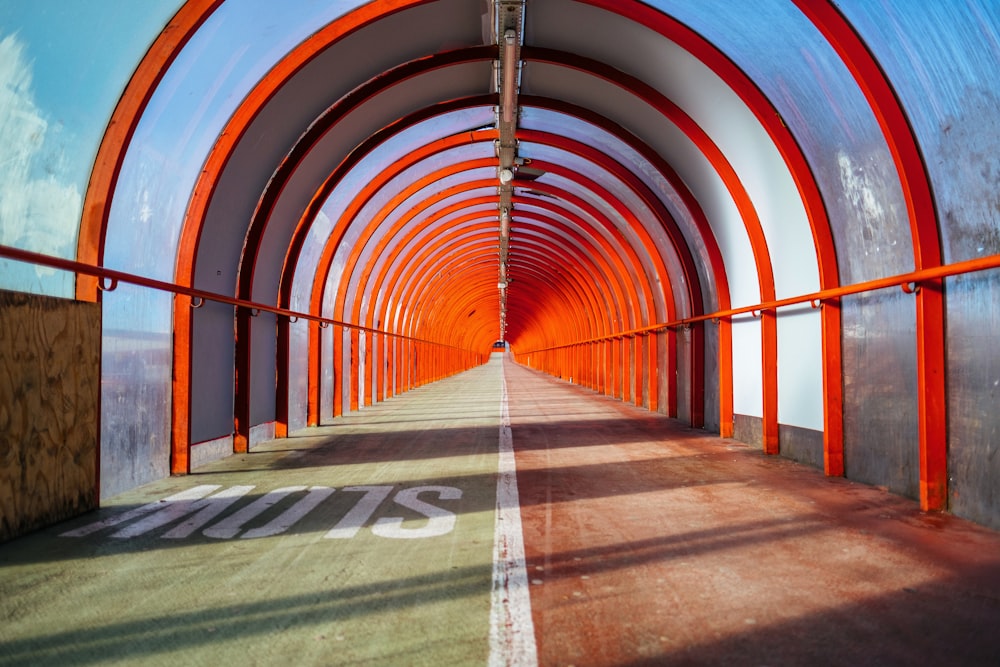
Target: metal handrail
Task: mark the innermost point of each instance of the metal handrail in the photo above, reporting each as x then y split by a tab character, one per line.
197	296
909	282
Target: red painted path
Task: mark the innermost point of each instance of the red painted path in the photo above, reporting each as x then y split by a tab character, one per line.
650	543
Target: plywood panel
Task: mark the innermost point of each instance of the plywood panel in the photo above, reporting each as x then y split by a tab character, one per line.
49	406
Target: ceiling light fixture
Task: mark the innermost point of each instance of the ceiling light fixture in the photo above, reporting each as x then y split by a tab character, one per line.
509	79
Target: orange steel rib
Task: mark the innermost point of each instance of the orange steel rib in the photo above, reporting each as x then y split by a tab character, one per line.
121	127
826	256
740	197
931	393
716	268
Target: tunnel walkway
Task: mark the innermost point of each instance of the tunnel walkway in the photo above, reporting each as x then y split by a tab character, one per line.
374	541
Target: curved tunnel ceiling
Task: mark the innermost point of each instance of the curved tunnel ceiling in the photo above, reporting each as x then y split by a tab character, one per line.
387	116
545	172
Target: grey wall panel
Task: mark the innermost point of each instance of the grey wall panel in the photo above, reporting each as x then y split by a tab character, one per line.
327	377
212	372
804	445
880	385
712	377
974	397
748	429
298	375
684	375
136	370
942	59
263	356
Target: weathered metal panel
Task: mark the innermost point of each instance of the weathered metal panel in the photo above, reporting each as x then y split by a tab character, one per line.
663	386
748	429
804	445
264	351
50	366
880	391
684	375
942	59
711	373
212	390
298	375
974	396
135	389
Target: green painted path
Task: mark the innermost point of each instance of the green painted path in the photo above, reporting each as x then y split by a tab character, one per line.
373	545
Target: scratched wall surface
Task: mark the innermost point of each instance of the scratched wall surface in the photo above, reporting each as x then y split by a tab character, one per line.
973	394
881	440
50	351
942	59
135	388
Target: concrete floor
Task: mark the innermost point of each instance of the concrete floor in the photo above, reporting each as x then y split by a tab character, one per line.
372	542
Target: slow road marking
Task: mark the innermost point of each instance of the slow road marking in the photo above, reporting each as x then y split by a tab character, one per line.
197	507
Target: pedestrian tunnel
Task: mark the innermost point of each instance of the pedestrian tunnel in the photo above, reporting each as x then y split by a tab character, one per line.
502	516
775	223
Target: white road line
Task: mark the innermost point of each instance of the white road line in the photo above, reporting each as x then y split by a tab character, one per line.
512	632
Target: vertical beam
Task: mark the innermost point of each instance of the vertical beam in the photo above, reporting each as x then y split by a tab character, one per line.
595	375
616	361
639	366
769	361
338	370
653	361
833	395
355	352
399	361
388	389
579	365
314	389
281	382
369	368
932	404
241	403
931	380
605	361
671	373
627	375
180	426
403	367
725	377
